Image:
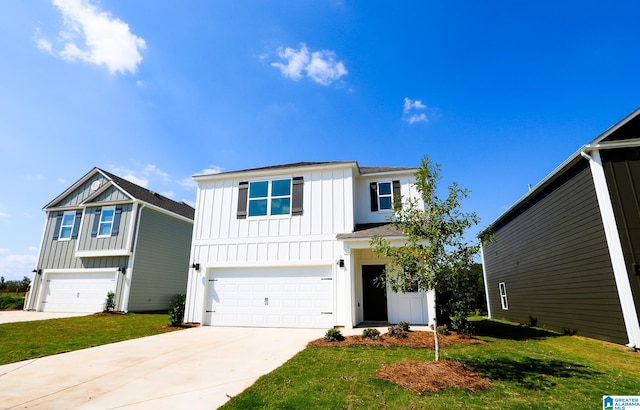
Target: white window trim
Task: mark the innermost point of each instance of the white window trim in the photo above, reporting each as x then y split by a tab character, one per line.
106	208
503	296
270	197
62	225
380	208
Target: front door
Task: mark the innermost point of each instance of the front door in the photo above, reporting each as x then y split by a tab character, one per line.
374	298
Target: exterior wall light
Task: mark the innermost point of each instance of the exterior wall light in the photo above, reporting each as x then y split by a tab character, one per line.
196	266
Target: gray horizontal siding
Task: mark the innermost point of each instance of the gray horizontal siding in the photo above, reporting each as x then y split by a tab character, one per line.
161	261
553	257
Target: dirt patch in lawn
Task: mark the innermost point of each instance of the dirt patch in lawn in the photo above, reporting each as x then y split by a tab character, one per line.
425	377
414	339
416	375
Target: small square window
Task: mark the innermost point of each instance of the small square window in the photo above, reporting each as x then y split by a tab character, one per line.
106	221
66	227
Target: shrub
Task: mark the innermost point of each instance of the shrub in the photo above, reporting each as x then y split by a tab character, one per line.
110	302
333	335
403	325
371	334
443	330
176	310
10	302
397	332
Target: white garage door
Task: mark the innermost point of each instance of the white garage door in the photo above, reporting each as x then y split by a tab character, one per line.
271	297
77	292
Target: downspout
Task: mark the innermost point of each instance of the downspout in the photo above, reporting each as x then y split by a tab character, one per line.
137	215
614	246
486	284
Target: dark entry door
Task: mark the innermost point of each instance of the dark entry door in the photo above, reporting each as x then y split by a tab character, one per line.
374	298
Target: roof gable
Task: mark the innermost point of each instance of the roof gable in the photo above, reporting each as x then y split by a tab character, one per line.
102	186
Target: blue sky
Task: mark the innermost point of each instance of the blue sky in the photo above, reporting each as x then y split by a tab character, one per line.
498	92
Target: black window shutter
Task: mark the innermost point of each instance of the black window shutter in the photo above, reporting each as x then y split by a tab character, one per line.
373	190
96	222
56	230
396	193
296	196
243	194
76	225
115	228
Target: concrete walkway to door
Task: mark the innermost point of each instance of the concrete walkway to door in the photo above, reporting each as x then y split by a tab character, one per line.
198	368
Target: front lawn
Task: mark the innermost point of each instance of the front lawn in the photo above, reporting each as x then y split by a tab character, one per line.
28	340
528	368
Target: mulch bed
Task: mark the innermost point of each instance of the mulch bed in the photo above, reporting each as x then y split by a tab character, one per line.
413	339
425	377
416	375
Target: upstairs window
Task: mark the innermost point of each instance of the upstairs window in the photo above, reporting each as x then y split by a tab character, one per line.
383	195
67	225
385	198
106	221
270	197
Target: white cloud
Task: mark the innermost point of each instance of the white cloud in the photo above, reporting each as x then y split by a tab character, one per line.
190	183
411	111
14	266
168	194
140	84
412	104
3	212
96	37
321	66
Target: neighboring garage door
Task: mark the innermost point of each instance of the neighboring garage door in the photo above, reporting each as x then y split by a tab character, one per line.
271	297
77	292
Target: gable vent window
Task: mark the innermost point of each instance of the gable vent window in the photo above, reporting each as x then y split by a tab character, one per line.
263	198
503	295
383	195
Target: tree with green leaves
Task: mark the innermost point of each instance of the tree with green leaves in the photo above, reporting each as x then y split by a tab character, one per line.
435	248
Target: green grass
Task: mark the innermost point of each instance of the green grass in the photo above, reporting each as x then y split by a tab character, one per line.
529	369
11	301
28	340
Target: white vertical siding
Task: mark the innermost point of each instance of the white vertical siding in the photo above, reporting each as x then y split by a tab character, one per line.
363	212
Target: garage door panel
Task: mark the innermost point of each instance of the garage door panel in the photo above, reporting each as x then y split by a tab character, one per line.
76	292
273	297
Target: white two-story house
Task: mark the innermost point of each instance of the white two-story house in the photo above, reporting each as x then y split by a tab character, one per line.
289	246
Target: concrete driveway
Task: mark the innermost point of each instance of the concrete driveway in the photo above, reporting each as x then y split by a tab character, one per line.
10	316
197	368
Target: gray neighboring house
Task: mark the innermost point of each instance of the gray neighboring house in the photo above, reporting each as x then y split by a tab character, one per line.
567	254
104	234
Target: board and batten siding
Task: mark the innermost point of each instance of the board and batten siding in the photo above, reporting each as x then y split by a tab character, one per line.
622	171
363	213
221	238
161	261
60	254
83	192
552	255
119	241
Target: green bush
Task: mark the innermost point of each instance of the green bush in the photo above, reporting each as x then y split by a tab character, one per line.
176	310
333	335
110	302
10	302
403	325
397	332
371	334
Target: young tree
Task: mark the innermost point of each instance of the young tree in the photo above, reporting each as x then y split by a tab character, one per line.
435	248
